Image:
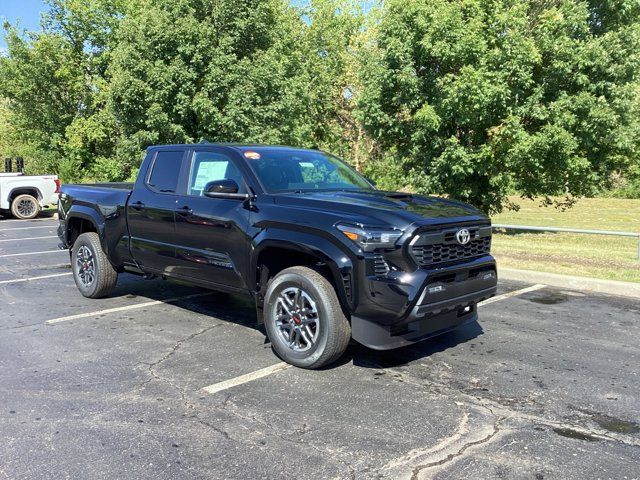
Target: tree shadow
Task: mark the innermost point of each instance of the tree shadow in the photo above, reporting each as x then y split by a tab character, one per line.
515	232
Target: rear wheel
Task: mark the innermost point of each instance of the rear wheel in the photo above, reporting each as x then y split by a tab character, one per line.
94	275
304	320
25	207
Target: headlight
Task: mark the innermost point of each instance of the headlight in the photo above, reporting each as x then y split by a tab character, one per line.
370	238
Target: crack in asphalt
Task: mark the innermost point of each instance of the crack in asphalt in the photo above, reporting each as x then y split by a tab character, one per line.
219	430
269	429
25	325
176	346
495	409
447	451
459	453
183	390
412	464
500	409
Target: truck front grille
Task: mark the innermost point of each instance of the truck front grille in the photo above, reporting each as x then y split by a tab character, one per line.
435	248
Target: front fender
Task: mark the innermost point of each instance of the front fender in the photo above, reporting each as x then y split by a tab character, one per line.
340	261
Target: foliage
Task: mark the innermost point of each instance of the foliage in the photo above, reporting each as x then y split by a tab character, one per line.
469	98
474	98
627	186
52	81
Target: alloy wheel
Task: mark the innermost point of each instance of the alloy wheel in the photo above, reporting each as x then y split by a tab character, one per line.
297	319
26	207
85	266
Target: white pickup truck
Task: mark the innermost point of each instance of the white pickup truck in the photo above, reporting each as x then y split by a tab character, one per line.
26	195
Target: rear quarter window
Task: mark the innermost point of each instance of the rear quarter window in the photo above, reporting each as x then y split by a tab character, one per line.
165	171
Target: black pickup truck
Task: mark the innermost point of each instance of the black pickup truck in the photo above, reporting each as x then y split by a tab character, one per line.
325	255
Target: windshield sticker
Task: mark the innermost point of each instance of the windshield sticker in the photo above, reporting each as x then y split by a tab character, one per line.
252	155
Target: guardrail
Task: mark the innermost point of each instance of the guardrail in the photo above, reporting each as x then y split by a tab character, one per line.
570	230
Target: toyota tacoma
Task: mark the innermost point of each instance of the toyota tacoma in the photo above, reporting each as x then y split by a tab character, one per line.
325	255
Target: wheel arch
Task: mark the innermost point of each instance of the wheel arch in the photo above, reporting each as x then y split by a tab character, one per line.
81	220
33	191
278	251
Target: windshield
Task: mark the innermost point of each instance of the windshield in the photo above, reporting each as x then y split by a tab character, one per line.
300	170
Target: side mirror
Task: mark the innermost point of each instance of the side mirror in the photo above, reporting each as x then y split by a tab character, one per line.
221	186
224	188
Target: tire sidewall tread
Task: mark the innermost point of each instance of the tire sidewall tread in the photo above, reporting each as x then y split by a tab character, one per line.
106	276
14	203
335	330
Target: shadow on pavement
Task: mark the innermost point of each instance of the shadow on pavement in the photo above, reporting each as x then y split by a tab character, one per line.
241	311
43	215
368	358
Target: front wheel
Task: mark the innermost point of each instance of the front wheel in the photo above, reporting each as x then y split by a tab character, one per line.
304	320
94	275
25	207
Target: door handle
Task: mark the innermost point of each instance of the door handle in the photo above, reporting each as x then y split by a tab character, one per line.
186	210
137	205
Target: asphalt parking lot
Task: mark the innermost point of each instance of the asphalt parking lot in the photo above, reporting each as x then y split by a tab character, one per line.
168	381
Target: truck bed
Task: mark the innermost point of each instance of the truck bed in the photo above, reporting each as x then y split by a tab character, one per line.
105	204
110	185
98	196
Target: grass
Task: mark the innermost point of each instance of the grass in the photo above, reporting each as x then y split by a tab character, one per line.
613	258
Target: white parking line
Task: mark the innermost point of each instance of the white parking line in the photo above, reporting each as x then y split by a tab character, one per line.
515	293
32	253
5	282
233	382
6	220
28	238
50	227
122	309
26	228
249	377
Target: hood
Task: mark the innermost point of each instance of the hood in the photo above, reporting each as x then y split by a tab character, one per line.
379	208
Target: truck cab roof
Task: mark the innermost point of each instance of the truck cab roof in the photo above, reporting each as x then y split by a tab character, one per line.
231	145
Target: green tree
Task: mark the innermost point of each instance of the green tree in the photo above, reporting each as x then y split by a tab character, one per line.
476	98
250	71
328	63
43	84
186	70
52	82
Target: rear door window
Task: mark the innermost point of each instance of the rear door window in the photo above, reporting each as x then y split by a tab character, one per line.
166	171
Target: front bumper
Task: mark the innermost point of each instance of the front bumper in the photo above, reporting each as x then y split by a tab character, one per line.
445	300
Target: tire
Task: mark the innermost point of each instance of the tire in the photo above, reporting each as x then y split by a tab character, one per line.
320	338
25	207
94	275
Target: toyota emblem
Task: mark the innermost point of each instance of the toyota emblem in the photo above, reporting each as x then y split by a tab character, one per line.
463	236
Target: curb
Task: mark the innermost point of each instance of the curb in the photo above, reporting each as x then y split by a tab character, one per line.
595	285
